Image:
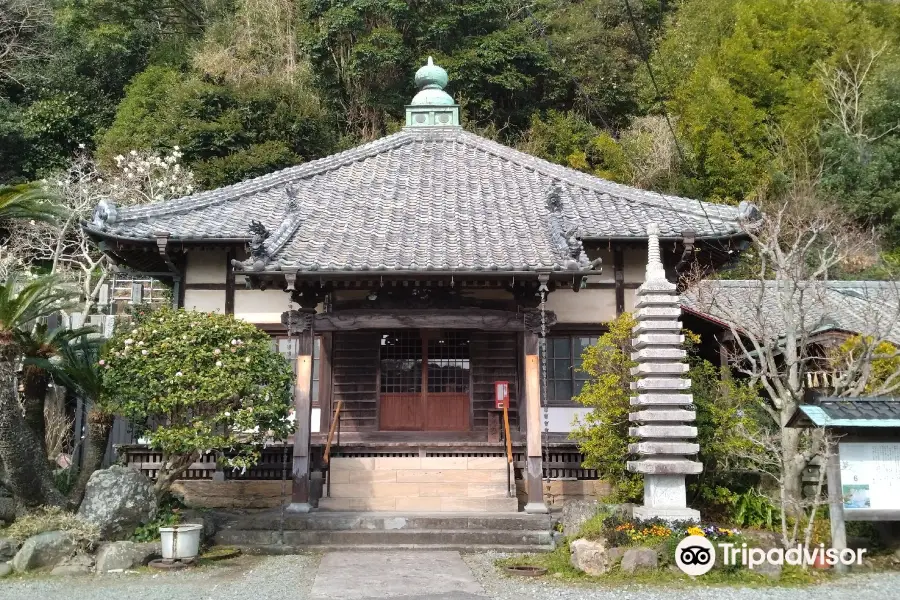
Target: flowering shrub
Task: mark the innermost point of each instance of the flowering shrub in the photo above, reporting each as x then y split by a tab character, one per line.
620	531
198	382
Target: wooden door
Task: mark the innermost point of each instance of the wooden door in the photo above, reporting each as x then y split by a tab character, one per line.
425	383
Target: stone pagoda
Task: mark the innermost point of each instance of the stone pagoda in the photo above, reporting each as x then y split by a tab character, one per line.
665	414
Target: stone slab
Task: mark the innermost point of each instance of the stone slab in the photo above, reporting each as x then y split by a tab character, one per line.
374	575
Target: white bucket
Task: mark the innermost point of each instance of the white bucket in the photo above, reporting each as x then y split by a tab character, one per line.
180	541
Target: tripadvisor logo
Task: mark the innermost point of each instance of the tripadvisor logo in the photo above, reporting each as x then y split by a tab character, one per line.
696	555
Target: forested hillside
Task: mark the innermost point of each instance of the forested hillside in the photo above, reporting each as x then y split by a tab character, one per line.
723	100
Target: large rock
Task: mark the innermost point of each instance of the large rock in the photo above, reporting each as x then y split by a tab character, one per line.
8	549
44	550
593	557
576	513
636	559
80	564
116	556
118	499
5	569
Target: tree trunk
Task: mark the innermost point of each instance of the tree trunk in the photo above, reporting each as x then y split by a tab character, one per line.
793	465
34	383
99	427
28	475
173	467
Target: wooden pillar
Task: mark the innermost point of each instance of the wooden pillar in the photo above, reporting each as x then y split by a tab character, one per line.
534	467
302	416
229	283
619	278
836	506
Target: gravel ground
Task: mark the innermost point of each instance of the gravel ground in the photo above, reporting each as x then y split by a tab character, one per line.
247	578
291	578
873	586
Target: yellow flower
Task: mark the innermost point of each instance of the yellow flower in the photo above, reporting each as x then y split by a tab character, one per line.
695	531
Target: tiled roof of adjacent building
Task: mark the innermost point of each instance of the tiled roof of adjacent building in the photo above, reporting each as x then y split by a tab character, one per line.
438	198
863	307
849	412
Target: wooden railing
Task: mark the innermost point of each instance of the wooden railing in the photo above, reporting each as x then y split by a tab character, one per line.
509	454
335	419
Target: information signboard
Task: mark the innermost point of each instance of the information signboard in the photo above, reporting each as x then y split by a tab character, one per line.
870	475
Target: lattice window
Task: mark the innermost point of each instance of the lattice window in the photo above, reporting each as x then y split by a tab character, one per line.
448	362
401	362
564	377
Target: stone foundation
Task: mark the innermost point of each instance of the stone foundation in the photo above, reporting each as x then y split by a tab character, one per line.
233	494
558	492
414	484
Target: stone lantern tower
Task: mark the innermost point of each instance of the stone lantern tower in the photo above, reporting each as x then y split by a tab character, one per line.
663	421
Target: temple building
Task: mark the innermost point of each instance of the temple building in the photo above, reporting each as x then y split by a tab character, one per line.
418	282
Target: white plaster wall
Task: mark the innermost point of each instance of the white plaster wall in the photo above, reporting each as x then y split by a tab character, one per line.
608	273
205	266
560	417
629	300
635	262
260	306
584	306
205	300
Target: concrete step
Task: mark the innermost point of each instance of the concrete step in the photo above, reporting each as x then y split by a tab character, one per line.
401	537
341	521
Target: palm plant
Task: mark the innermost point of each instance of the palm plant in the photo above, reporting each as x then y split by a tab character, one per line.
26	202
38	345
75	366
28	475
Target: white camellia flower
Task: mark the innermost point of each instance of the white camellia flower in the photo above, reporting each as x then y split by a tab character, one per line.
144	352
178	374
246	360
218	363
217	351
129	342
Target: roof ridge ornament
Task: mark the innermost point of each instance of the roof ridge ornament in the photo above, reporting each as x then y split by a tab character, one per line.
432	106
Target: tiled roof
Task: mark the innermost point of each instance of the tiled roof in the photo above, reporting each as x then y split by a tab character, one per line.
850	412
422	199
864	307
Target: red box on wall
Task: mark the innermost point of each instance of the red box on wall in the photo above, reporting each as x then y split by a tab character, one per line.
501	394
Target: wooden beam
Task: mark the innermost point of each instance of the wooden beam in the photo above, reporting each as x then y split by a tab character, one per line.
481	319
207	286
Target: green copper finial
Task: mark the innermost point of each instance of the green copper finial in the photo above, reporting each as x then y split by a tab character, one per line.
431	76
431	80
432	106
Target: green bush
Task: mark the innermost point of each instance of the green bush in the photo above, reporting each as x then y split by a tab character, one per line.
726	410
168	514
197	382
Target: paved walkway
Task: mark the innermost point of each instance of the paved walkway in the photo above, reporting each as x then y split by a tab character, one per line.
396	576
399	575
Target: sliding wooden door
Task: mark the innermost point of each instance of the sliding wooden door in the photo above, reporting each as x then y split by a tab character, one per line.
424	381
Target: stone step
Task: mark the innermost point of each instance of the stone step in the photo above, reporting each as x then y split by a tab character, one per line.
391	489
374	521
281	549
421	504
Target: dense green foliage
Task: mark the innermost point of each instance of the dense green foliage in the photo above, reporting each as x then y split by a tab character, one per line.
198	382
726	411
744	94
